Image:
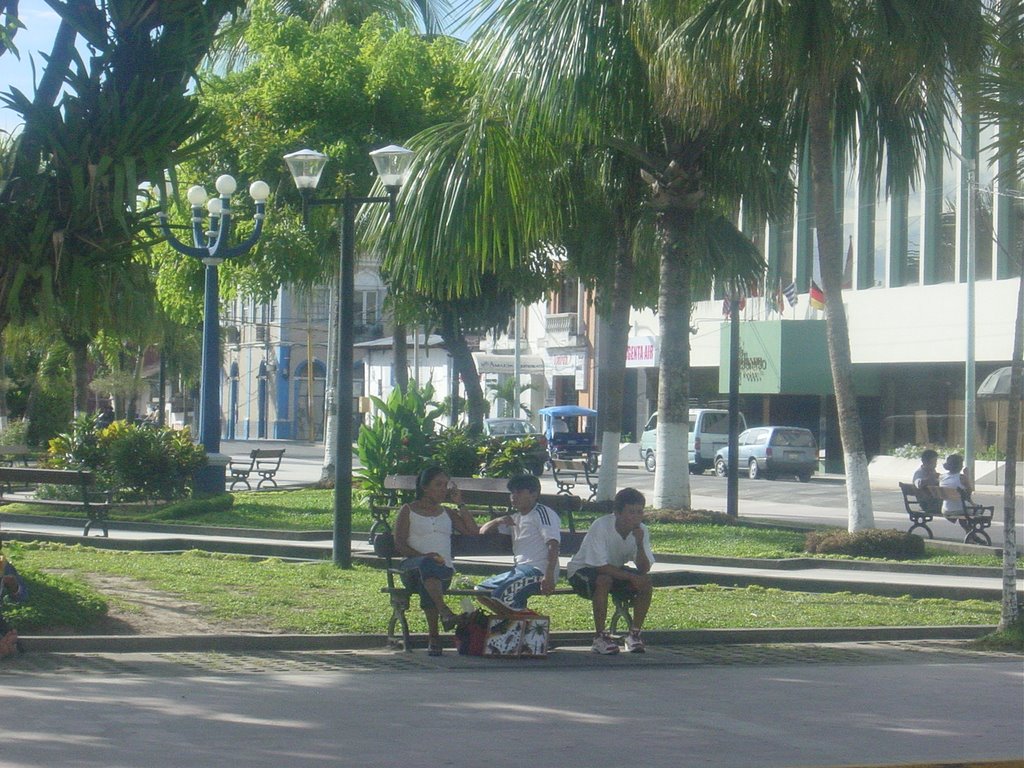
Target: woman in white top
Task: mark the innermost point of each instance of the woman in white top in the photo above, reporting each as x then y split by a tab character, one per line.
423	533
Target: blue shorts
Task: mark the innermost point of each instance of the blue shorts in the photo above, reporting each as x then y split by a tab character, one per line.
416	570
513	588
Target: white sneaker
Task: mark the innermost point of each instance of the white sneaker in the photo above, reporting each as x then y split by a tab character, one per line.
634	643
604	645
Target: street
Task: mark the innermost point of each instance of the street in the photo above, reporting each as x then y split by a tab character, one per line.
735	707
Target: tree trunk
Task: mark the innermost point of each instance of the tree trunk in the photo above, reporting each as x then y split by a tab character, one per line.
830	258
80	362
1010	607
612	368
463	367
672	476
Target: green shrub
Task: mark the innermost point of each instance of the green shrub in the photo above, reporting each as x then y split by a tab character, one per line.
397	440
690	516
15	433
888	544
507	458
137	462
455	449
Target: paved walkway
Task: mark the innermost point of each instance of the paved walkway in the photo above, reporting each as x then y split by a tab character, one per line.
722	707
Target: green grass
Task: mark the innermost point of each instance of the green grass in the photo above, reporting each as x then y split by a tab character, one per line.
319	598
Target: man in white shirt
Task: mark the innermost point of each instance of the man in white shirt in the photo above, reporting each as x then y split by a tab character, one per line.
535	543
599	568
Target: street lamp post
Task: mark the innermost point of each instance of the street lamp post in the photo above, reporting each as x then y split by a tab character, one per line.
211	247
306	165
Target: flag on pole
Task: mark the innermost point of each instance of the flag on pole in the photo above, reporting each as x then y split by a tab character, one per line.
817	297
790	293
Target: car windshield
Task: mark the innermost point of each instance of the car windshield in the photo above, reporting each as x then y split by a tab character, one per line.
794	438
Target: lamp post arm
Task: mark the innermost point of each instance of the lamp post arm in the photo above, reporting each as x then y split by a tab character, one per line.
251	240
180	247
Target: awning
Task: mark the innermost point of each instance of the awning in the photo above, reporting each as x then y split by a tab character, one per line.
489	363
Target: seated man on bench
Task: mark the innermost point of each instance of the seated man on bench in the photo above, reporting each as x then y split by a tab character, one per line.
536	537
599	568
926	480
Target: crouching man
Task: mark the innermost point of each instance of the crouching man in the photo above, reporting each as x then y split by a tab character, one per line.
599	568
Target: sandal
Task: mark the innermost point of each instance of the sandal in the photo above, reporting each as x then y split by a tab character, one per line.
434	649
449	622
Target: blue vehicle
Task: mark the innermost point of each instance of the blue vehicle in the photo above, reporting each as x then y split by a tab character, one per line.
566	438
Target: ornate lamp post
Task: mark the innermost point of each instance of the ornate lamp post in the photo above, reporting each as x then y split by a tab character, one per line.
306	165
211	247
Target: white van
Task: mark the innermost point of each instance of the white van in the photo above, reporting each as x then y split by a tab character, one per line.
709	431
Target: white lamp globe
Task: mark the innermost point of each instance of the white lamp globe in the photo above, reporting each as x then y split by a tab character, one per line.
226	185
196	196
259	191
215	206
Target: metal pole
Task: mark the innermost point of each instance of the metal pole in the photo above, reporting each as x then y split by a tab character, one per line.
970	388
516	367
733	479
342	543
210	478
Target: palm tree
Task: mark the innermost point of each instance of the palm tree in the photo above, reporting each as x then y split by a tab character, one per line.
872	74
584	71
1000	92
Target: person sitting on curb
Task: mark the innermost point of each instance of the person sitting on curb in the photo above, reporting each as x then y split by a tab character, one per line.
535	543
926	480
599	568
423	535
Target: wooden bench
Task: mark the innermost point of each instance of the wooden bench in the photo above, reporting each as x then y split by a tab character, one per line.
486	493
923	505
568	473
488	545
263	461
19	485
15	454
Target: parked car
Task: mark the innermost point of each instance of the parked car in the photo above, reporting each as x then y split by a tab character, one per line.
773	451
709	431
567	438
518	429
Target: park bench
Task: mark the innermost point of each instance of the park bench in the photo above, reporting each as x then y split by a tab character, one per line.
488	545
568	473
923	506
15	454
20	485
486	493
264	462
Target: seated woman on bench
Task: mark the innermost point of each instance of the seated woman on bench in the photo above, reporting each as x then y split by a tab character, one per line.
956	477
423	535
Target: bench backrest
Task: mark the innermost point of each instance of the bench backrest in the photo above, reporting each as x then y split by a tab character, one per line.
408	483
48	476
489	544
15	450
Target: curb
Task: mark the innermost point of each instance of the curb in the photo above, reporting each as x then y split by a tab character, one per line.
258	643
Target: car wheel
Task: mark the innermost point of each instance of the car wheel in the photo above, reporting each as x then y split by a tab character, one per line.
752	470
650	462
721	467
804	477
